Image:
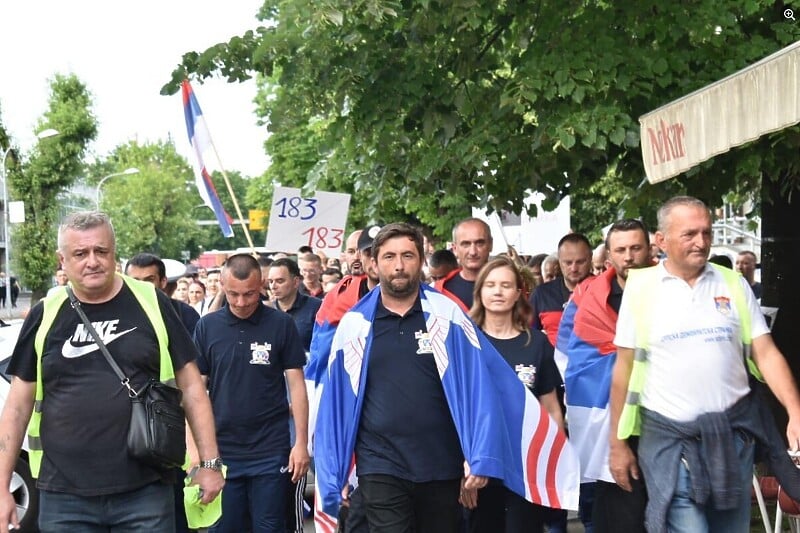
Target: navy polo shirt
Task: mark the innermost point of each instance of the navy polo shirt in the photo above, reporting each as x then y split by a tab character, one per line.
304	312
244	360
406	429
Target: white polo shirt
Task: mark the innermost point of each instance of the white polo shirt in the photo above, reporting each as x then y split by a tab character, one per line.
695	364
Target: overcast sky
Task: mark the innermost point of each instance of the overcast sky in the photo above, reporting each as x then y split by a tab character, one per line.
124	53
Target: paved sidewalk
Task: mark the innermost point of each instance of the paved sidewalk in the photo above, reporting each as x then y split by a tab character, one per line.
22	308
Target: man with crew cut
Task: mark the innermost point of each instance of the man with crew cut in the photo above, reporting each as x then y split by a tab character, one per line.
472	244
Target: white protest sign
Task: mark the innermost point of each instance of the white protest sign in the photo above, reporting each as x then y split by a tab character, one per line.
318	221
528	235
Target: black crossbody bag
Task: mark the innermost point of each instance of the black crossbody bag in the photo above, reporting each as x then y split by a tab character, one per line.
157	430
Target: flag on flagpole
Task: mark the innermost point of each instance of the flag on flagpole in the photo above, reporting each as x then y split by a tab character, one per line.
201	142
503	430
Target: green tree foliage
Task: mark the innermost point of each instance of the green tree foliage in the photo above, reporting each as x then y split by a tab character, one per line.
156	210
423	108
152	211
47	171
212	236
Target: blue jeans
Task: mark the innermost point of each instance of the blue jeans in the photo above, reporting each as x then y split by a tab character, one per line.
150	508
686	516
254	497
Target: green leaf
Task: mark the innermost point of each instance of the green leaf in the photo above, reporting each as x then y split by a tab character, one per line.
566	139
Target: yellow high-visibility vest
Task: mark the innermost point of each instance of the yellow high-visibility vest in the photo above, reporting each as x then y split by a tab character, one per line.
639	291
145	294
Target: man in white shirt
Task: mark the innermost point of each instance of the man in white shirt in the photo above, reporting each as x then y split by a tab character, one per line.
691	381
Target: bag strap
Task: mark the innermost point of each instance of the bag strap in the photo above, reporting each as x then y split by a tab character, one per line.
76	304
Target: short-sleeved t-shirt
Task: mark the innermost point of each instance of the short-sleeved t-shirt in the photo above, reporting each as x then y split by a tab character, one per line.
245	360
462	288
695	364
406	429
532	360
85	410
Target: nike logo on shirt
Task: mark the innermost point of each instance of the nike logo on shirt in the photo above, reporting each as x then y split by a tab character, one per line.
107	330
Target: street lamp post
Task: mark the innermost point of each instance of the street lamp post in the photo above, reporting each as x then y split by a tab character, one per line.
49	132
131	170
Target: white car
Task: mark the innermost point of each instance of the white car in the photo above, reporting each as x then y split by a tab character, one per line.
23	486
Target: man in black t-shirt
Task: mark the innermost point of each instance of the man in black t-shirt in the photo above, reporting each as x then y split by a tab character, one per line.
472	244
86	478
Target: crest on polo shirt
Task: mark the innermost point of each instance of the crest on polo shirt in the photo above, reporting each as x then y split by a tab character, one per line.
723	305
424	345
259	353
526	374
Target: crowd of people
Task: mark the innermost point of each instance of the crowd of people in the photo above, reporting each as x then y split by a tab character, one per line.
413	370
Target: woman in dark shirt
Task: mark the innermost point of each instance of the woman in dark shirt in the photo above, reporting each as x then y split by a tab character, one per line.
502	311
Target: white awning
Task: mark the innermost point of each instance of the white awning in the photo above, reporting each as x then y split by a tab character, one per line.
759	99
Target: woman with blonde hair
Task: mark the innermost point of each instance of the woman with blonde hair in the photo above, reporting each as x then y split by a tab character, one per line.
503	313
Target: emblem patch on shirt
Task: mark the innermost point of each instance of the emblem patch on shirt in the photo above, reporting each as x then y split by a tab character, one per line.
526	374
723	304
424	345
259	353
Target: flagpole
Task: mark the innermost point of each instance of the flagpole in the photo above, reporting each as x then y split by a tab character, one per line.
511	250
233	197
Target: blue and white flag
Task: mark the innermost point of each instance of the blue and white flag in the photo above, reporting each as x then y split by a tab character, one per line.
504	432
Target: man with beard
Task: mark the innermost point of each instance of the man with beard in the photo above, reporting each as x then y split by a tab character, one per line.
412	476
351	256
585	346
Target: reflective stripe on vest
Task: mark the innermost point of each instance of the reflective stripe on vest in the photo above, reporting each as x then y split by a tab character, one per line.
145	294
639	292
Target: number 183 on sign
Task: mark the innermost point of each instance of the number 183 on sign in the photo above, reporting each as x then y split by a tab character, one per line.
316	221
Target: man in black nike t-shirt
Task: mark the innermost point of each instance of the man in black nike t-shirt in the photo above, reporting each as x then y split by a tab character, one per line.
86	479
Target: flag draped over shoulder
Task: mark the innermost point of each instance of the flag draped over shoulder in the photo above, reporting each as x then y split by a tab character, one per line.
504	432
585	354
201	141
336	303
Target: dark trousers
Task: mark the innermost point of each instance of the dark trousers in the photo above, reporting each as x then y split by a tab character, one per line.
619	511
501	510
353	519
585	506
294	506
394	505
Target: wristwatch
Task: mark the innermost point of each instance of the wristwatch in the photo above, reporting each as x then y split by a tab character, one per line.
212	464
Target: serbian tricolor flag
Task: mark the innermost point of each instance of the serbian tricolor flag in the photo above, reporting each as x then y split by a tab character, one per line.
201	142
585	354
503	431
